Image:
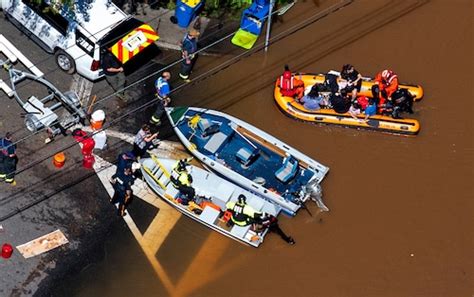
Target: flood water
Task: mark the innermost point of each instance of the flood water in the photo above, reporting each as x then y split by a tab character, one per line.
401	207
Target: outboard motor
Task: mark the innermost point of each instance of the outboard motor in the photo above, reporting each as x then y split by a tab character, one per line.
315	193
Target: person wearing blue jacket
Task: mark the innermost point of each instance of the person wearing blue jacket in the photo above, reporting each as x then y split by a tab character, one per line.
8	159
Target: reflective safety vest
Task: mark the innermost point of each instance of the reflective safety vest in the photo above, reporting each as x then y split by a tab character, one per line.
241	213
287	82
162	87
182	180
180	166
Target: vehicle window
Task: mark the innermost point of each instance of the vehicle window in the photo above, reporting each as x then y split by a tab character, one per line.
119	31
84	43
49	14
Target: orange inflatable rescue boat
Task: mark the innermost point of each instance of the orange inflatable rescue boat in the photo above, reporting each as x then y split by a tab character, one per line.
293	108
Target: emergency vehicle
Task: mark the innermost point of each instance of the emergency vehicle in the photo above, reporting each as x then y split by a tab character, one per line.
77	38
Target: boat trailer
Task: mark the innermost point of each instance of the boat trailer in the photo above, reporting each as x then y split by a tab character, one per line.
38	114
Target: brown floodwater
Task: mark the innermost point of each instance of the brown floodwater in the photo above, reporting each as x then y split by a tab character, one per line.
401	219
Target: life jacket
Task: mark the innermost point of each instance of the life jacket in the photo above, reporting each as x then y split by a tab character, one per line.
363	102
179	166
238	215
386	78
287	84
182	180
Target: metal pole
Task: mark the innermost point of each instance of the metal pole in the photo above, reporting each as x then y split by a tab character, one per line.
272	2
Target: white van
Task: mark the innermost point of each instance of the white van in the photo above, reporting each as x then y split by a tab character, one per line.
75	39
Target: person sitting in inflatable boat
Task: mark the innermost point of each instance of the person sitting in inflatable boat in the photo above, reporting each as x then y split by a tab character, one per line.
352	79
386	85
401	101
289	85
313	100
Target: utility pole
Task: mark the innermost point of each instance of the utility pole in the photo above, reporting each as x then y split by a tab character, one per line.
269	21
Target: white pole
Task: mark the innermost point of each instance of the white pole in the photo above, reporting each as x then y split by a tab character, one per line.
12	50
272	2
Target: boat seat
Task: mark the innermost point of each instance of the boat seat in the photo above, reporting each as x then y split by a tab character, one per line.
225	191
245	155
209	215
240	231
207	127
203	124
288	170
215	142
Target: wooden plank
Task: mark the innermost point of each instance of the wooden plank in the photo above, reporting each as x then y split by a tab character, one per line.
42	244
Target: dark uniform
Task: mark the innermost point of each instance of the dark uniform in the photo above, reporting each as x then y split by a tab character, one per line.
188	49
8	159
123	182
271	222
124	160
116	80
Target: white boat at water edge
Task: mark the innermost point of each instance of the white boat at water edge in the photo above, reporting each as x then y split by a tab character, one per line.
217	192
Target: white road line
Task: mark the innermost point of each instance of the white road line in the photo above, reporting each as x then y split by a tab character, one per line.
204	268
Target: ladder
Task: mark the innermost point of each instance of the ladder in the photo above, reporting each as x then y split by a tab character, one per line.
159	173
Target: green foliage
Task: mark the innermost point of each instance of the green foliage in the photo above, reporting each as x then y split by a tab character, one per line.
234	8
171	5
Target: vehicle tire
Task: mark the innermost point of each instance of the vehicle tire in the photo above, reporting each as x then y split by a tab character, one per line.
32	124
65	62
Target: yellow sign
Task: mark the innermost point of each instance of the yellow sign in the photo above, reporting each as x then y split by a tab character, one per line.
134	42
191	3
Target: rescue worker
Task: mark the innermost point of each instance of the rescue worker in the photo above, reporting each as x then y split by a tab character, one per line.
271	222
242	213
122	182
386	85
180	165
183	184
114	74
162	92
125	160
289	85
8	159
188	52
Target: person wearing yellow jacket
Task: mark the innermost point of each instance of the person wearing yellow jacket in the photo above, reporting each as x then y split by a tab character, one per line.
242	213
183	184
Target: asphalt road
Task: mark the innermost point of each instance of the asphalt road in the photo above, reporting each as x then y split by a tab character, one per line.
45	198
